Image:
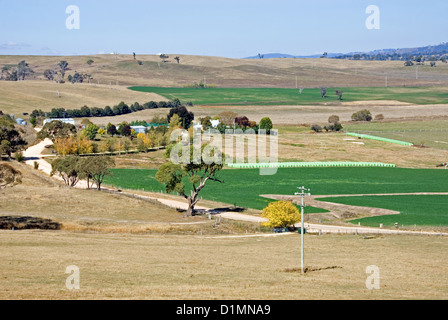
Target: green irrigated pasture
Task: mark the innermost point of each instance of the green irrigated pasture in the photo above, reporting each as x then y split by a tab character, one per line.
421	210
243	187
287	96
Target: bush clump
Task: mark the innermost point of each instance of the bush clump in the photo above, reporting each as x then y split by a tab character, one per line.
363	115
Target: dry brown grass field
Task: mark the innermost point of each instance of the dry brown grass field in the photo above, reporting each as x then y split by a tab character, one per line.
226	72
127	266
25	96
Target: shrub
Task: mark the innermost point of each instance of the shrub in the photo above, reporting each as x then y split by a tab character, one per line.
363	115
36	165
281	214
333	119
379	117
19	157
316	128
334	127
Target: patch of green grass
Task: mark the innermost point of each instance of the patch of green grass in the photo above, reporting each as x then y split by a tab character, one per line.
243	187
284	96
422	210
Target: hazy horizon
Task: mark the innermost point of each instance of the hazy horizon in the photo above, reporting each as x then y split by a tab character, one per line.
232	29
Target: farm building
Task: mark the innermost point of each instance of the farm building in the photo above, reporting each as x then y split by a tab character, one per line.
64	120
20	121
215	123
139	129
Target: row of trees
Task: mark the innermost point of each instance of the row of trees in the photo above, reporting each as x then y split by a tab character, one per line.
72	169
231	119
121	108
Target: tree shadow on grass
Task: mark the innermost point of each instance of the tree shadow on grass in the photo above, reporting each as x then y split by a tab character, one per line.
22	223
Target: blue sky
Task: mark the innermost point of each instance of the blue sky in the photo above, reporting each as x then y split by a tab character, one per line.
228	28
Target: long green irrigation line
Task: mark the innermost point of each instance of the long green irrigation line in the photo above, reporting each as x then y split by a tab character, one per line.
309	164
367	136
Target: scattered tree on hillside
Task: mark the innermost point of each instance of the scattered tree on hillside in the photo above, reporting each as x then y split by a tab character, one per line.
90	62
164	57
323	92
15	73
11	140
23	70
177	59
174	176
339	94
50	74
63	68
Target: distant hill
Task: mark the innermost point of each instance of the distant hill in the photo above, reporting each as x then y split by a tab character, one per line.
284	55
430	52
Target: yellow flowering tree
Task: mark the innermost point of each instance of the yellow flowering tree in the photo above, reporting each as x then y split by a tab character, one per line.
281	214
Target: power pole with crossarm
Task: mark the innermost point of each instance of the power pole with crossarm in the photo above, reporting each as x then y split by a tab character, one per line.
302	194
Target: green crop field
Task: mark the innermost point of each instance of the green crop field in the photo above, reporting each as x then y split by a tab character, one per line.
430	133
243	187
285	96
422	210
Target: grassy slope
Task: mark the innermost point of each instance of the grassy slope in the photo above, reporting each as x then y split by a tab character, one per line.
110	70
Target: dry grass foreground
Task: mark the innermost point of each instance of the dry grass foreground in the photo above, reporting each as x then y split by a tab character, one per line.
126	266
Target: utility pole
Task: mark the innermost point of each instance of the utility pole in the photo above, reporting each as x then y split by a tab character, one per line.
302	194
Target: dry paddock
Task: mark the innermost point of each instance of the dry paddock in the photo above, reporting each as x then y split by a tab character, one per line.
140	266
